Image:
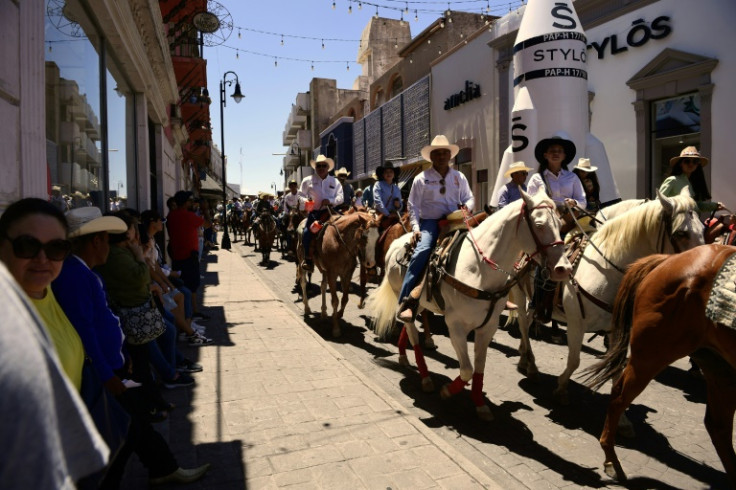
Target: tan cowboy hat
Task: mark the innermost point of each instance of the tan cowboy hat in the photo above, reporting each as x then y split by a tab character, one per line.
342	171
89	219
689	152
516	167
440	141
322	158
560	138
374	176
264	195
585	166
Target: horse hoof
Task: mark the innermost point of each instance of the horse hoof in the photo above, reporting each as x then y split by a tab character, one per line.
361	305
429	344
612	471
484	413
336	333
323	315
445	392
427	385
403	361
532	375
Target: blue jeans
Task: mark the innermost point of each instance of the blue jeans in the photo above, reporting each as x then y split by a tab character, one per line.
306	234
430	229
163	353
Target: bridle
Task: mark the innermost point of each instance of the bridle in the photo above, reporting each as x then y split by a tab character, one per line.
524	214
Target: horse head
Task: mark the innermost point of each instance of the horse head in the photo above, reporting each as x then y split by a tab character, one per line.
544	243
682	223
369	234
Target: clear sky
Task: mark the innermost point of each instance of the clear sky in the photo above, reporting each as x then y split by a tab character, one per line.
270	81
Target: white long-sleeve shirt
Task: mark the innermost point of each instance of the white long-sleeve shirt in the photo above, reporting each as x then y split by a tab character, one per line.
293	201
565	186
426	201
319	190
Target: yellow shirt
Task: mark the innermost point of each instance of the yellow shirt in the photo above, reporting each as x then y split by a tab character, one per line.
68	345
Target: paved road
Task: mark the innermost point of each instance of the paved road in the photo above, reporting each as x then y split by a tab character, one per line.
532	443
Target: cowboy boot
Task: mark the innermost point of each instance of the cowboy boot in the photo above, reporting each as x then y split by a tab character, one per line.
410	306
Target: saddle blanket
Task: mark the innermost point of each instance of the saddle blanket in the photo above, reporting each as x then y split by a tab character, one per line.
721	306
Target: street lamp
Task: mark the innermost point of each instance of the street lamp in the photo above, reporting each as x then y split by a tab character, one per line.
238	96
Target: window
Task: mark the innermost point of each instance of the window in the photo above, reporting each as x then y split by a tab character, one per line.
397	85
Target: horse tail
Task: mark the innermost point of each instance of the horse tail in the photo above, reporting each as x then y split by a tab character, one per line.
383	303
614	361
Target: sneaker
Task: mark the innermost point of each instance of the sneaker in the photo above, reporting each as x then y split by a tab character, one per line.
183	336
198	340
182	475
198	328
201	316
181	380
188	366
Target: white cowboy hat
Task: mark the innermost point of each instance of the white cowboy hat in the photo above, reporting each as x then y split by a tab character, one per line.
89	219
516	167
689	152
440	141
322	158
342	171
585	166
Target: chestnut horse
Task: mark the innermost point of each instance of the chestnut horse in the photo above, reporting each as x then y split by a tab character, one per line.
345	239
265	232
660	313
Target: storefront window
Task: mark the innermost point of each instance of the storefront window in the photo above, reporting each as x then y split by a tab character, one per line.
116	113
73	133
675	124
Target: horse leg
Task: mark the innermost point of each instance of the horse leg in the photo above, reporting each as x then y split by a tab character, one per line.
336	311
635	378
720	407
403	339
527	364
575	333
413	334
483	337
428	342
302	275
323	288
460	344
363	281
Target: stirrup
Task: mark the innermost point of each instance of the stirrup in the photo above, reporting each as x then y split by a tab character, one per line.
410	304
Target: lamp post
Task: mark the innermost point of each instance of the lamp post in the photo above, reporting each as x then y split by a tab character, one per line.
238	96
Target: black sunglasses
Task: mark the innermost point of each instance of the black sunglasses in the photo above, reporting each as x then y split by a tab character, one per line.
321	166
442	189
28	247
691	160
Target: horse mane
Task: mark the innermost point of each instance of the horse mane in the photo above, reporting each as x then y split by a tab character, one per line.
637	222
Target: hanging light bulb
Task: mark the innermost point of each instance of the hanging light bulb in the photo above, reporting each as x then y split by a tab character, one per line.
488	7
442	24
350	9
50	49
334	6
416	16
406	10
323	44
448	9
312	65
439	51
282	39
401	22
376	16
396	43
449	19
360	5
429	41
237	54
275	62
411	60
239	35
348	67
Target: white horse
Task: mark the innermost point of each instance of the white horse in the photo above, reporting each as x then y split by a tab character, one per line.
663	225
483	268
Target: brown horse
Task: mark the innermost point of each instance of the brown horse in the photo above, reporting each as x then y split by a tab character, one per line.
289	223
660	311
265	234
345	238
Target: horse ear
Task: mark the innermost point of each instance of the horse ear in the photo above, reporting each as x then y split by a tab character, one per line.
528	200
666	202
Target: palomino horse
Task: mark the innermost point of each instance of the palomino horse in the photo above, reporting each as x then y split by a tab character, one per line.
660	311
485	262
265	234
663	225
345	238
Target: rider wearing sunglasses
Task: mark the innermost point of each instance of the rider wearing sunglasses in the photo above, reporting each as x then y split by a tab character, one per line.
686	170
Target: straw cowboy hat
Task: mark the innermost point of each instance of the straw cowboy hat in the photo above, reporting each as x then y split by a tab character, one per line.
516	167
689	152
440	141
89	219
264	195
374	176
322	158
342	171
560	138
585	166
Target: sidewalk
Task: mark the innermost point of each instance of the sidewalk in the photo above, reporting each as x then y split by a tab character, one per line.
277	406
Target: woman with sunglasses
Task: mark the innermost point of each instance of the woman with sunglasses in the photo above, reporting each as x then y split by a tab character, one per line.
33	245
686	170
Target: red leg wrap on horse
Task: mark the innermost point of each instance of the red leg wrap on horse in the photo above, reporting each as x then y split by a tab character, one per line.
421	363
476	392
403	339
457	386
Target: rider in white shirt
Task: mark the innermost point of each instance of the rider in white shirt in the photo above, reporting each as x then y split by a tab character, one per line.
322	189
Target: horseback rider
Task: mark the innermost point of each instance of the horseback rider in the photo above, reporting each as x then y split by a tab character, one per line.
510	192
368	191
323	190
291	203
348	194
435	193
387	195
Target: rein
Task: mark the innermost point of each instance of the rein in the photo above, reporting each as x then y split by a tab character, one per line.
591	243
339	235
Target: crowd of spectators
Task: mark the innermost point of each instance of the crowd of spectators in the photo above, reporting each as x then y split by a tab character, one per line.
101	316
